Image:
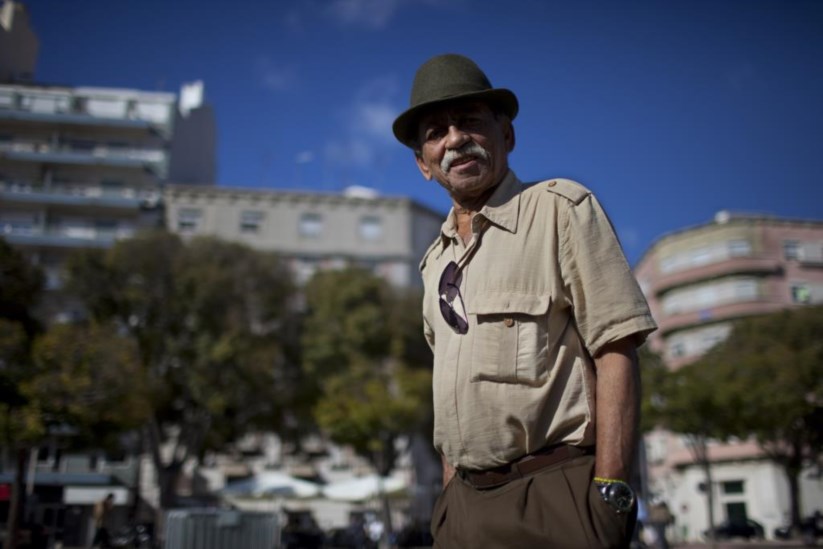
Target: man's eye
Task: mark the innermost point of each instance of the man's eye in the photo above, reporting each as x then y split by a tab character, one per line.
434	133
471	122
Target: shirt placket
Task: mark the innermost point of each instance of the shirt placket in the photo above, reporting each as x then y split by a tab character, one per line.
458	366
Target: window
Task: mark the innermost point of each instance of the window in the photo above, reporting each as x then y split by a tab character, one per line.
801	293
111	187
677	349
371	228
310	225
188	220
105	228
250	221
733	487
738	248
712	294
791	249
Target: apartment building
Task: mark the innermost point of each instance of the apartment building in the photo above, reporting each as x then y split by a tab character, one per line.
312	230
698	281
81	167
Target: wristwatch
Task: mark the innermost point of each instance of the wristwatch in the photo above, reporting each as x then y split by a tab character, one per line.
616	493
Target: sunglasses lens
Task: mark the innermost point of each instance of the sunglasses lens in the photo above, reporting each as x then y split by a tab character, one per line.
450	296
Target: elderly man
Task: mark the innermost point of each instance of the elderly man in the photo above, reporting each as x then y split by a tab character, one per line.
533	316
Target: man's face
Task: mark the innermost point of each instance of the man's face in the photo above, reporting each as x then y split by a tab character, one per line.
465	148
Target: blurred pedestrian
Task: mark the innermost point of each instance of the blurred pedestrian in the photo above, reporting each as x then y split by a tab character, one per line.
533	315
659	518
102	515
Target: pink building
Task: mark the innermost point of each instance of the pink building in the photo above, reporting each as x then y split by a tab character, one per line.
698	280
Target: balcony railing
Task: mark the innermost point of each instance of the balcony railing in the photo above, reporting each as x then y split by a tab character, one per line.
78	194
728	311
148	111
151	159
727	267
70	237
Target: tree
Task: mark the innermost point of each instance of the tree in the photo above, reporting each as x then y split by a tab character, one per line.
210	322
88	379
364	345
774	365
21	284
655	377
692	402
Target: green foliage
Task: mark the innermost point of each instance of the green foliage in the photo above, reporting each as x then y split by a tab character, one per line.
774	368
363	344
21	284
764	381
212	327
88	378
654	376
347	323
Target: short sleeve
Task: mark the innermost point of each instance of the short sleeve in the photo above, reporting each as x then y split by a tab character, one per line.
606	300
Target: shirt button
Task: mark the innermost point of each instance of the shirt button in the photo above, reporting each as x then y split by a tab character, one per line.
552	183
509	322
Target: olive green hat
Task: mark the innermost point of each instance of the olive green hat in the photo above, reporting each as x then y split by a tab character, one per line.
445	78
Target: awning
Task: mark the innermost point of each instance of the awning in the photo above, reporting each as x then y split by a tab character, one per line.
89	495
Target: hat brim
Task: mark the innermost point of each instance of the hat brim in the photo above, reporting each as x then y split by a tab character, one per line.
405	126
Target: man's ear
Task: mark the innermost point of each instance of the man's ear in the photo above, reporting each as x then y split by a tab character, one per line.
422	166
508	135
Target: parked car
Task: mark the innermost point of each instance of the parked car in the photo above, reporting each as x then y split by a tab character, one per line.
301	531
746	529
811	528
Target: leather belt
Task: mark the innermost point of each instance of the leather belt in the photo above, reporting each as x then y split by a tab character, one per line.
528	464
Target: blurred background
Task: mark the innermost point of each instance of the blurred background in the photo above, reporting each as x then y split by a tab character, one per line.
209	297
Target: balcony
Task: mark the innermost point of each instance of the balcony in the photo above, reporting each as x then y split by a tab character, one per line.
731	266
108	108
63	238
84	196
150	160
726	311
75	119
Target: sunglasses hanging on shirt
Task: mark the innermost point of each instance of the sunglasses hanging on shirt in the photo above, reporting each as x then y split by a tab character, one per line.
451	301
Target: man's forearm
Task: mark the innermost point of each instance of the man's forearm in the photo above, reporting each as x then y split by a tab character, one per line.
617	409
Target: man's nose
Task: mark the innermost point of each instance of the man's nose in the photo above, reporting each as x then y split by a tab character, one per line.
456	137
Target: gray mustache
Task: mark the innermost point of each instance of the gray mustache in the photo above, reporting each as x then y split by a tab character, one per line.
469	149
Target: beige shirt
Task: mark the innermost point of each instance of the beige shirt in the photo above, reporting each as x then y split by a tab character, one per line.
545	286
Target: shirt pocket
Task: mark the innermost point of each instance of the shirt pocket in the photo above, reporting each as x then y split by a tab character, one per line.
512	338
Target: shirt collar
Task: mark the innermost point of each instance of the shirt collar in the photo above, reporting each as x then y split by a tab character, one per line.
501	209
504	205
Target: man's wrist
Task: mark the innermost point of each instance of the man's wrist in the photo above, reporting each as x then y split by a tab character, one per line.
617	493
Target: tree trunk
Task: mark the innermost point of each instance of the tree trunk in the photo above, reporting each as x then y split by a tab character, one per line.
707	468
700	453
792	467
388	529
16	502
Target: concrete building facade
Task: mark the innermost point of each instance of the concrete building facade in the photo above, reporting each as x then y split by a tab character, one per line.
312	230
698	281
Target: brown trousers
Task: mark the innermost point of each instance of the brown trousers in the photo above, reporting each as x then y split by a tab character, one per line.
557	507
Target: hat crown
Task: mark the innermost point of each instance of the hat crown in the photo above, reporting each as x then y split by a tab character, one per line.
446	76
443	79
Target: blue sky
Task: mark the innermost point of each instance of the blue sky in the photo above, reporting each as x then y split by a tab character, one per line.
668	110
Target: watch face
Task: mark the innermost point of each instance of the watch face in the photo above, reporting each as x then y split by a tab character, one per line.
620	496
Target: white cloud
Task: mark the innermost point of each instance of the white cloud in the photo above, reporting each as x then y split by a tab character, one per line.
370	14
273	77
374	14
365	124
351	152
304	157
